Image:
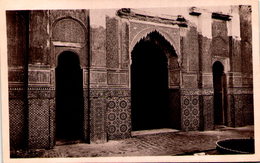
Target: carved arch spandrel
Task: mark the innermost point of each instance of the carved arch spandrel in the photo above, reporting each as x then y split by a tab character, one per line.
145	32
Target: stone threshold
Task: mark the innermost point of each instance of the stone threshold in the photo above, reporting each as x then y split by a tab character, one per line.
153	131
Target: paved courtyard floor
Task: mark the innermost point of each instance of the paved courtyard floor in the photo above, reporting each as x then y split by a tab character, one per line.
151	143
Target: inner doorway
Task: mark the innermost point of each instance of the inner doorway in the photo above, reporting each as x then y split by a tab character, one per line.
219	84
149	84
69	98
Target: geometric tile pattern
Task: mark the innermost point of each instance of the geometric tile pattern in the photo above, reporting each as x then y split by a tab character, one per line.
17	122
243	105
109	114
190	113
125	45
86	116
248	109
97	120
231	105
112	45
208	111
52	121
38	123
239	111
118	121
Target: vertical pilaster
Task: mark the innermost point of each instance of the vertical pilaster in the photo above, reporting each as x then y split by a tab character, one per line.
97	77
17	43
40	83
205	70
86	100
189	93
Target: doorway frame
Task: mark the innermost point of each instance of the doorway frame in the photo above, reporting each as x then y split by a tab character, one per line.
225	61
222	111
168	38
55	86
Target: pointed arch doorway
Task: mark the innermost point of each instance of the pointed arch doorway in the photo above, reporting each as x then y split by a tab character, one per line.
69	97
219	84
149	83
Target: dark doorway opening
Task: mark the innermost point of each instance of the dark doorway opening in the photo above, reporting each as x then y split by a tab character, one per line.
219	84
149	84
69	98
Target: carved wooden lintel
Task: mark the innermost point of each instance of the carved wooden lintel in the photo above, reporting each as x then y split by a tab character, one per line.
221	16
132	14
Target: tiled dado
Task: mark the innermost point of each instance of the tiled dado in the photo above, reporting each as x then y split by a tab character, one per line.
190	113
110	114
40	123
118	119
207	115
242	109
197	109
41	117
17	122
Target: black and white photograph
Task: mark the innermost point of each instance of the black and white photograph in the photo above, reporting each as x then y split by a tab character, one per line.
130	82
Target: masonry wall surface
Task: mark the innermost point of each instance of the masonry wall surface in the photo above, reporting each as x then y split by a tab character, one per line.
37	38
